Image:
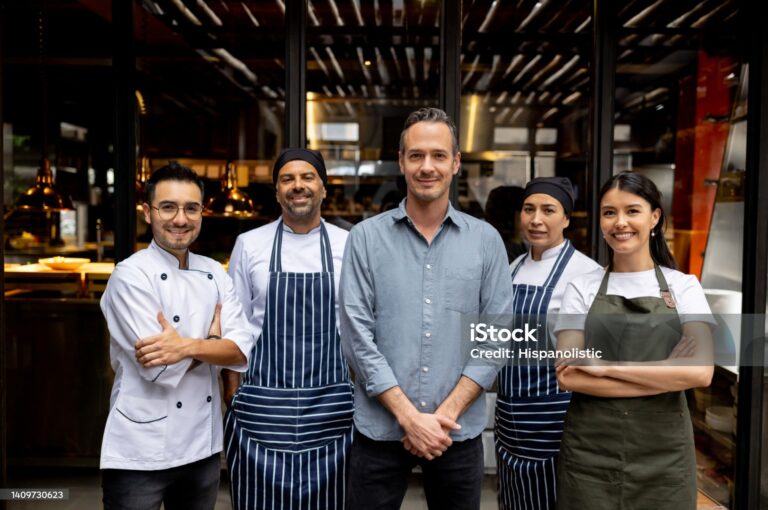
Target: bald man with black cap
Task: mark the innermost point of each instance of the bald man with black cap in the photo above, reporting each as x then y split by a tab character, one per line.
289	424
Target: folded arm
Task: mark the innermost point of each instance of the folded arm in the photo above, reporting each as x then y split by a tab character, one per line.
615	379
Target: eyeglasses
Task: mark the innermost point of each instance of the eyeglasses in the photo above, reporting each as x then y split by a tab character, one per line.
168	211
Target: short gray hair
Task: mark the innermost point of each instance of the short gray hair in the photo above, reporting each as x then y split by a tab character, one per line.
430	115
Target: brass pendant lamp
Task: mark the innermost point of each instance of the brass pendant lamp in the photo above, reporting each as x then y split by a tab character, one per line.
43	196
230	201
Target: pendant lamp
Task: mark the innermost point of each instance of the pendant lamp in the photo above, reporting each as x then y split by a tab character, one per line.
230	201
43	196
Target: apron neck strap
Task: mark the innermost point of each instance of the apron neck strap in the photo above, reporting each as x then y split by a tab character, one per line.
518	266
562	260
276	263
663	287
557	270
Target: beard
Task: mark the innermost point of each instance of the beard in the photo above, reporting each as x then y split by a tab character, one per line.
300	210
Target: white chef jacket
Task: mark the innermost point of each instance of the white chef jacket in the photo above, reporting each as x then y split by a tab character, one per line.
249	263
166	416
536	272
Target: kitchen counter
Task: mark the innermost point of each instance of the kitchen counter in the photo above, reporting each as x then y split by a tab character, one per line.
88	280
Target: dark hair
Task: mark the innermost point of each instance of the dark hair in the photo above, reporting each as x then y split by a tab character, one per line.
173	171
430	115
642	186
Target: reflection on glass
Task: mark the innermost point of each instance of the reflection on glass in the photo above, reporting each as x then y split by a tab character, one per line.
212	78
524	108
368	66
678	79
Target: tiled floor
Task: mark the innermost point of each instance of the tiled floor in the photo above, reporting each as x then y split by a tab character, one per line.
85	491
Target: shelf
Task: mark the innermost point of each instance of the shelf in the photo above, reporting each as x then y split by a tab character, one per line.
726	440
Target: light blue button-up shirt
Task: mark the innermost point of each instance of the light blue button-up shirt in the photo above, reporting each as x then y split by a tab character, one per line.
403	303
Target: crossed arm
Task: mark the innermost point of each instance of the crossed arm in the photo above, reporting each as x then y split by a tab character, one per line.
169	347
688	366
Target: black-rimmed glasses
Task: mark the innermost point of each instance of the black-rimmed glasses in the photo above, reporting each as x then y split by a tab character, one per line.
168	211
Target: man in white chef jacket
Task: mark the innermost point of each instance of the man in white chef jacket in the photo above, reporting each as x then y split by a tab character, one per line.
163	436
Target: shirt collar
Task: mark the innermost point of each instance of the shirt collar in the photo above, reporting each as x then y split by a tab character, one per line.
451	215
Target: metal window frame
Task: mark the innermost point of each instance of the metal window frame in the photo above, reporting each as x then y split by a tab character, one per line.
450	71
124	78
600	165
295	128
3	350
754	269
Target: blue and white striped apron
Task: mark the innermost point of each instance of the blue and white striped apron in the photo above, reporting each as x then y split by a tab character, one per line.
530	407
289	428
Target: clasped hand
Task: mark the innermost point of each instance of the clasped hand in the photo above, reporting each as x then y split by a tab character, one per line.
428	435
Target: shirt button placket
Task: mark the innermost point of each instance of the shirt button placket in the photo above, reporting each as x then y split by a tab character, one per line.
429	290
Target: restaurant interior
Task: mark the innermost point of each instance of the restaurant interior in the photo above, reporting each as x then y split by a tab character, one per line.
96	94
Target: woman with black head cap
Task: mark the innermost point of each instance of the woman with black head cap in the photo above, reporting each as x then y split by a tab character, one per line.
530	406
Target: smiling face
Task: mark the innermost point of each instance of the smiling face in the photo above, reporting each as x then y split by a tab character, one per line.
542	221
627	220
300	192
427	161
174	235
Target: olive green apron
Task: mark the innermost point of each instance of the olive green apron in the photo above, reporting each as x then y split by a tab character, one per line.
632	453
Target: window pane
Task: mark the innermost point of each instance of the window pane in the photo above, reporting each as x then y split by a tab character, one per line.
211	88
59	107
525	89
369	65
680	85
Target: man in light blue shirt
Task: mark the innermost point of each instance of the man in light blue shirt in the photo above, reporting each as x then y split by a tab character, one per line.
410	277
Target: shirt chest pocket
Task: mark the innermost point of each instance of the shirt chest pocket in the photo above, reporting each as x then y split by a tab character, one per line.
462	288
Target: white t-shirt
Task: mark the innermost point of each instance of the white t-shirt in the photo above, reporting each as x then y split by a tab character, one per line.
249	263
690	301
536	272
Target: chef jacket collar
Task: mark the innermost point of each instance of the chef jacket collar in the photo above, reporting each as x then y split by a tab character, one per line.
549	253
451	214
169	257
286	228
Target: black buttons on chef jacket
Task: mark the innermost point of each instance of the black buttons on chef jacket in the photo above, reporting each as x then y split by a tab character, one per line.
210	276
209	398
178	405
176	318
163	276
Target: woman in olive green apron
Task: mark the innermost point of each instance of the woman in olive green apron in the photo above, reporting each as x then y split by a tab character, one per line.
628	439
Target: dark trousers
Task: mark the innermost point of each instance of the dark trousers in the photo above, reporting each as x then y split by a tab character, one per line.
379	473
193	486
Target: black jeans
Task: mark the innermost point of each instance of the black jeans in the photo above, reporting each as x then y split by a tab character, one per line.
192	486
379	475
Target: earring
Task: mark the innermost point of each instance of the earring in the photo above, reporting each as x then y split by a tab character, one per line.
653	234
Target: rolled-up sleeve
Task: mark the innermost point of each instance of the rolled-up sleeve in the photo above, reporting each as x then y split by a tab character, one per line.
357	319
130	309
495	304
